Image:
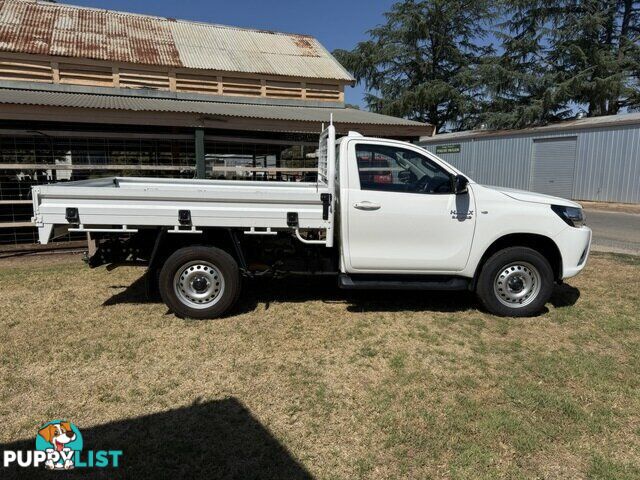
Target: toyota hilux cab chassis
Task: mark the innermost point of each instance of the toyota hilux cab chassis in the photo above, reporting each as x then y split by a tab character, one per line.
383	214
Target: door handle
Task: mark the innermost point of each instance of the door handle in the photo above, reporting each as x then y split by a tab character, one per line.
367	206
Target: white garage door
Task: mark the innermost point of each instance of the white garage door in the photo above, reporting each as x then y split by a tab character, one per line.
554	161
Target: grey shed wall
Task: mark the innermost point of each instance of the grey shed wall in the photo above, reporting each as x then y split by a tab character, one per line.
607	166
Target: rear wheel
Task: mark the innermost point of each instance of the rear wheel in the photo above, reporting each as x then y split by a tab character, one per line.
515	282
200	282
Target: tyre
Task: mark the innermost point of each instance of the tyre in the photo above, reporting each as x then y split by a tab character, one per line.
515	282
200	282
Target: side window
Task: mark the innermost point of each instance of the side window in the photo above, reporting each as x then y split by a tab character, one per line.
394	169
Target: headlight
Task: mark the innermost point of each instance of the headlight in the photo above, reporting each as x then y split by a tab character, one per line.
572	216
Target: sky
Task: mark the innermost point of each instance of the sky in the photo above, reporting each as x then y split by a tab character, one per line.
335	23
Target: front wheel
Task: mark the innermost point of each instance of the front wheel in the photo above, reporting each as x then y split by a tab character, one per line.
200	282
515	282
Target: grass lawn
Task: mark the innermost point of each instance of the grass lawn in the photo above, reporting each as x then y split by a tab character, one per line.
305	380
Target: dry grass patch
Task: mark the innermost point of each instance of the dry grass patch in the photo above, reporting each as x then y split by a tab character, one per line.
611	206
306	380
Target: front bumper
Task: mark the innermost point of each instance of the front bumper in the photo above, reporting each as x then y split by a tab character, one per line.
574	245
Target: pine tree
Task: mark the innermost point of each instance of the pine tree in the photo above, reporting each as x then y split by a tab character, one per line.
431	61
561	56
595	50
423	62
520	83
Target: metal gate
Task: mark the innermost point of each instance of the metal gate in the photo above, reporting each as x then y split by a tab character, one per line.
553	166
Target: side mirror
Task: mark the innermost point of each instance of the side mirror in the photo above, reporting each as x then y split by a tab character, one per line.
460	183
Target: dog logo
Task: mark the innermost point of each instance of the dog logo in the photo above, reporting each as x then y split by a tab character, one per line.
59	446
60	440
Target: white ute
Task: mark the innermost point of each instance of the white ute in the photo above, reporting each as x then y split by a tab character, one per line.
383	214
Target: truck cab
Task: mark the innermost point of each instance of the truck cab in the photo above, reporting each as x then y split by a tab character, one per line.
383	214
406	213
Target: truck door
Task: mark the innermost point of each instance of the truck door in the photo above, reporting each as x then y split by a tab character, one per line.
402	213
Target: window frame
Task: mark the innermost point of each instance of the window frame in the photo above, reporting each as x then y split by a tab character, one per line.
351	152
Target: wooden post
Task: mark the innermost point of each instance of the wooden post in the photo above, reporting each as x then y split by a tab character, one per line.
278	165
200	161
55	72
116	76
253	175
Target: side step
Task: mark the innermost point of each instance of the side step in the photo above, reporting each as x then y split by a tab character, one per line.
402	282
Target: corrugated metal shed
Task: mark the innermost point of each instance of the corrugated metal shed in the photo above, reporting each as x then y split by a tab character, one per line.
607	166
265	112
30	26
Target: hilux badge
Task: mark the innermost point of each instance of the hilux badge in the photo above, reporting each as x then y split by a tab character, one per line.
461	215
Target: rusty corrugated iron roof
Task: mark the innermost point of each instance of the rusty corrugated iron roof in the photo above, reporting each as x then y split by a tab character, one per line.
35	27
53	29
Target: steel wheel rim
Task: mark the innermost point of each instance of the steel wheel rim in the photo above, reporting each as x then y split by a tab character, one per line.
517	284
198	284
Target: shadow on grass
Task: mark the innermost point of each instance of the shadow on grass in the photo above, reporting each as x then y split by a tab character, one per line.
216	439
564	296
134	293
304	289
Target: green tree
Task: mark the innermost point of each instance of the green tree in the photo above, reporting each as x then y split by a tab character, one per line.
423	62
594	50
520	88
559	56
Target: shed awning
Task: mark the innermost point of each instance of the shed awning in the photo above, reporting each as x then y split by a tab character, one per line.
167	111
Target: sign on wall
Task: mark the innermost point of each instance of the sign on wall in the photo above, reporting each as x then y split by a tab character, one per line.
452	148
